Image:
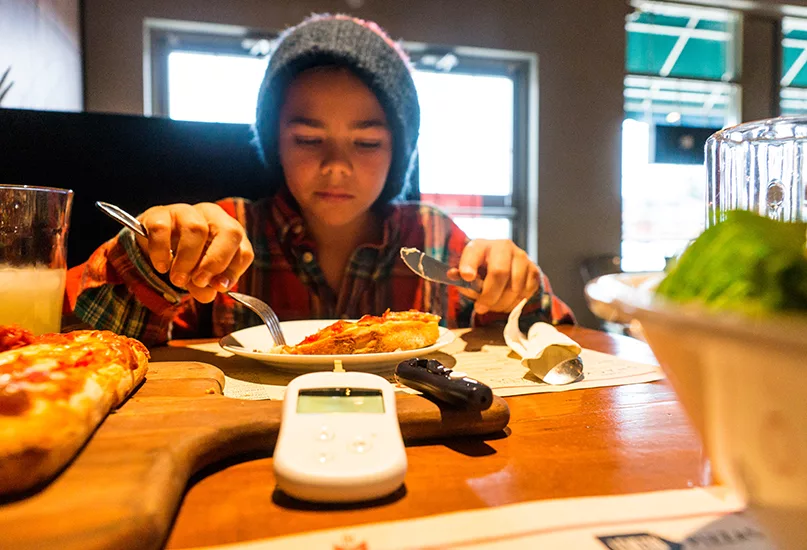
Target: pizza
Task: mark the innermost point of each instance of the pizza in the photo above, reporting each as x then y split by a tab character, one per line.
393	331
55	389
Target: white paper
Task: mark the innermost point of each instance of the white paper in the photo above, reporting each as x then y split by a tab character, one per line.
692	518
495	365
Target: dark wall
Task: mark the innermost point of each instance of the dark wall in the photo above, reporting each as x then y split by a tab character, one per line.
134	162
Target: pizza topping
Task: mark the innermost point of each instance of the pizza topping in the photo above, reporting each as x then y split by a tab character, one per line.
337	328
34	376
13	401
370	320
404	330
56	366
18	363
54	391
13	337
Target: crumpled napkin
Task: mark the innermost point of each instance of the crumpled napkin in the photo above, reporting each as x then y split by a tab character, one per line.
543	348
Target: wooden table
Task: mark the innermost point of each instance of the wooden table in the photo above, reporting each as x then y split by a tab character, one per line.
601	441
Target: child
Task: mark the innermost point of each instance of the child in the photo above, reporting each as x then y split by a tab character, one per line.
337	126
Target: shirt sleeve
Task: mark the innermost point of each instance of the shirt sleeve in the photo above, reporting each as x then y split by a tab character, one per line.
116	289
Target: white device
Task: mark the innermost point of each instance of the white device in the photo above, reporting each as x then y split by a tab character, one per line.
339	438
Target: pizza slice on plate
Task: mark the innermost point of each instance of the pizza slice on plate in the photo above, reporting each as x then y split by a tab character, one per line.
393	331
55	390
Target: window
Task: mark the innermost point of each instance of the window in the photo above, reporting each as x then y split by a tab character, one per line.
211	87
793	91
473	160
681	64
794	58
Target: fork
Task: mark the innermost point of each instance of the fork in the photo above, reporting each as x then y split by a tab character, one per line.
261	309
266	313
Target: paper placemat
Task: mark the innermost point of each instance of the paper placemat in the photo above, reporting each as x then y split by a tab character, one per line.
710	518
493	364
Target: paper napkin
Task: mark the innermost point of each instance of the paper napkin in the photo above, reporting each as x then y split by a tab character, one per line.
542	348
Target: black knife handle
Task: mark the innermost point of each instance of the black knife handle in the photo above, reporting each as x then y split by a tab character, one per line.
432	378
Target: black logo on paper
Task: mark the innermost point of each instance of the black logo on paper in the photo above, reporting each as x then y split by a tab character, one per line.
638	541
730	532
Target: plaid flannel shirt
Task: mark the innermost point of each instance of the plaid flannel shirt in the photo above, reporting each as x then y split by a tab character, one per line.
116	289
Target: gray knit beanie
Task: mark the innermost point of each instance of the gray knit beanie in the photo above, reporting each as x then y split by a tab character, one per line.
370	54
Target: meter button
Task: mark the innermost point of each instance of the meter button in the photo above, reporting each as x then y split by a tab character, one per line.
359	446
324	434
322	458
457	375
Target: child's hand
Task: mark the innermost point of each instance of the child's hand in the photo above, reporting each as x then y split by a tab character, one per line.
510	274
210	248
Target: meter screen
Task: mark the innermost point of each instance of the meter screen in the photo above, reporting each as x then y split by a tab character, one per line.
339	400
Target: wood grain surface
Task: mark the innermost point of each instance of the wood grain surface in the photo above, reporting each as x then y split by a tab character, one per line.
123	489
601	441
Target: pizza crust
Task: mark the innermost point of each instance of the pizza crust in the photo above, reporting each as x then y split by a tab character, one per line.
36	446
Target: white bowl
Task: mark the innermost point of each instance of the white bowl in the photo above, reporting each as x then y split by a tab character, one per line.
743	382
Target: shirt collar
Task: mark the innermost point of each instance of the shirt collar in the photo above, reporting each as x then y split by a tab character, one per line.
286	217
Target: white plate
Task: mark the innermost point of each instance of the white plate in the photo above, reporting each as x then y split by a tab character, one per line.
249	341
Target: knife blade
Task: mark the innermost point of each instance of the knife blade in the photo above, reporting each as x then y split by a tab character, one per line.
435	270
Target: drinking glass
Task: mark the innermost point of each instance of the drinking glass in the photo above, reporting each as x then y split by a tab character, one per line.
758	166
33	252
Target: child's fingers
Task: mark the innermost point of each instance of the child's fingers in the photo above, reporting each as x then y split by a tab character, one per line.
473	257
191	232
520	273
533	282
203	294
240	262
224	239
497	278
159	225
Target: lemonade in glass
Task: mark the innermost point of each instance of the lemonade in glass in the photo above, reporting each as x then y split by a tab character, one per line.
33	234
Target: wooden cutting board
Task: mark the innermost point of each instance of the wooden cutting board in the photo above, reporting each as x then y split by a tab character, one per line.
123	489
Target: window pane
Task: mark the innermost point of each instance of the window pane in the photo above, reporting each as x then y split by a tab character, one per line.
213	88
686	102
794	53
793	93
477	227
681	41
793	101
663	205
466	133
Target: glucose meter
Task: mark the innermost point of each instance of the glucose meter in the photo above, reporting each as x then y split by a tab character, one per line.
339	438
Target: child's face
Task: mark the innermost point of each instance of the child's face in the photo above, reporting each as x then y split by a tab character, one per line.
335	145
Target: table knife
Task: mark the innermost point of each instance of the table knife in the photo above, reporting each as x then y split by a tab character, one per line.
434	270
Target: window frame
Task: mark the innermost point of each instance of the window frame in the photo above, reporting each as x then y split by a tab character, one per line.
162	37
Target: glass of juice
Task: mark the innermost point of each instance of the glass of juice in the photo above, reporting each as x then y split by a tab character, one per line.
33	256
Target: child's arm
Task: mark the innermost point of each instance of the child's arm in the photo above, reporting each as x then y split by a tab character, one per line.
118	288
